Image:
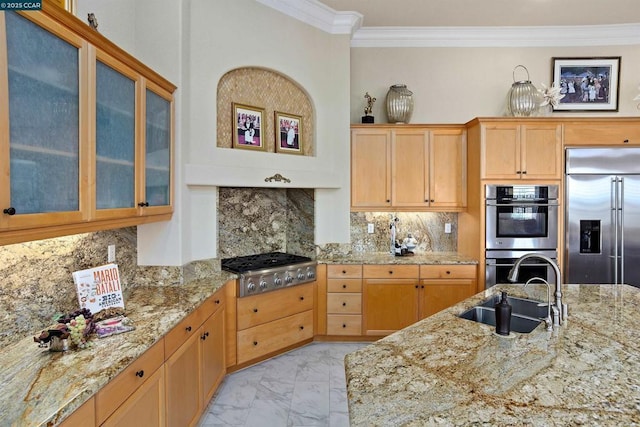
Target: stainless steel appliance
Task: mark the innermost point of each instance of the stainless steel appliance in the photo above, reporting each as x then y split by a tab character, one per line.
499	263
521	217
603	215
270	271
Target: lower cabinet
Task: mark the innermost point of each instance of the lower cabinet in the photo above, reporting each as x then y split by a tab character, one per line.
344	300
144	407
274	321
194	370
389	298
442	286
84	416
396	296
136	395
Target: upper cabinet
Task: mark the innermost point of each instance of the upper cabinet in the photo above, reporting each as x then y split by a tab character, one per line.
521	151
86	131
408	168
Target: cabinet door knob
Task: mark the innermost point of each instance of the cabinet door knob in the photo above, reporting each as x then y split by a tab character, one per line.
524	172
431	200
344	304
626	141
518	172
255	343
344	326
416	286
255	310
217	301
448	272
204	336
140	373
301	298
301	327
344	271
188	328
143	204
10	211
390	271
344	286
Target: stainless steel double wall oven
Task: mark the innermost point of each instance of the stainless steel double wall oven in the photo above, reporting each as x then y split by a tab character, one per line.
520	219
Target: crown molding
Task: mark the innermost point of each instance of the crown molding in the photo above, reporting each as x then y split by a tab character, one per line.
588	35
317	15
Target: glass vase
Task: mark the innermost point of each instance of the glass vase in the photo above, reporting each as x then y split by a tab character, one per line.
399	104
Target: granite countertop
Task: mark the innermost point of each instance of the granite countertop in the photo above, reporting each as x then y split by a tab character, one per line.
445	370
41	387
387	258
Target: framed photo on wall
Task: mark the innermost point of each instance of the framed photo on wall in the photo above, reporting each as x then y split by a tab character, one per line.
68	5
588	84
288	133
248	127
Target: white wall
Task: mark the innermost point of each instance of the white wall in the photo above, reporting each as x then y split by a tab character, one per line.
193	43
454	85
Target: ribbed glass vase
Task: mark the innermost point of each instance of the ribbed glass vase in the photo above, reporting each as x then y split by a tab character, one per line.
399	104
523	96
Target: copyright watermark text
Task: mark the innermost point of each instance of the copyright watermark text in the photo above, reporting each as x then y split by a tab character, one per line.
21	5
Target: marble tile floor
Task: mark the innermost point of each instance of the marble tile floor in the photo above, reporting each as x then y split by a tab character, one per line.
304	387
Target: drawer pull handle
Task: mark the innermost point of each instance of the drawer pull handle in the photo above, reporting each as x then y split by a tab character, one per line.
344	286
255	343
204	336
140	373
301	327
390	271
217	301
448	272
188	328
255	310
344	325
344	304
626	141
301	298
344	271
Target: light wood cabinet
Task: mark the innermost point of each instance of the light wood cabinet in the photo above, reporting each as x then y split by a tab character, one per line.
344	300
84	416
408	168
599	131
390	298
442	286
273	321
115	401
196	367
96	131
395	297
522	152
144	407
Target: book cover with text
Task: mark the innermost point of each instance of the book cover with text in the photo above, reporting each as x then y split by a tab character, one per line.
99	289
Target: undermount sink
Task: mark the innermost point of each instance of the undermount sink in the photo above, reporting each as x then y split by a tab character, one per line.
526	314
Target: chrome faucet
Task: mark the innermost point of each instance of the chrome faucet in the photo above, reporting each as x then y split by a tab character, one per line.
549	323
561	308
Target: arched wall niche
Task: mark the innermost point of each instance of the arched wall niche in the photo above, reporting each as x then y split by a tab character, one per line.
269	90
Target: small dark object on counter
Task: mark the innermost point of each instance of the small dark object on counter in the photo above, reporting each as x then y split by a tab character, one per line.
59	331
503	316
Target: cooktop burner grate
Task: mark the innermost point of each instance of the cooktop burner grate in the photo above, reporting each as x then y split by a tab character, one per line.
246	263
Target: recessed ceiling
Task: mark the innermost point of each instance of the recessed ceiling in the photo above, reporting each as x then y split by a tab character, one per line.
494	13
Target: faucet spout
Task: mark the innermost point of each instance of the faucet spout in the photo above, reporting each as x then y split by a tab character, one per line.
558	304
548	320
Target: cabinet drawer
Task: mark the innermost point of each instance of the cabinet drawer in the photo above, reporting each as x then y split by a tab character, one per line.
344	271
448	271
111	396
344	324
342	303
391	271
344	285
258	309
601	134
183	330
269	337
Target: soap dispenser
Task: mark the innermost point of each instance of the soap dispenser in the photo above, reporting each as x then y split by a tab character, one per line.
503	316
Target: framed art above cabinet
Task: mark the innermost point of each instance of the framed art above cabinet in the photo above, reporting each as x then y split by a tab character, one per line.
86	131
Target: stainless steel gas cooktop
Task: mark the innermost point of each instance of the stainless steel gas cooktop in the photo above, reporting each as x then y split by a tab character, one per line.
270	271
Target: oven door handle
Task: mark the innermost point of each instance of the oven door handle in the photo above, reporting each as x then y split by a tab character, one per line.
523	205
539	264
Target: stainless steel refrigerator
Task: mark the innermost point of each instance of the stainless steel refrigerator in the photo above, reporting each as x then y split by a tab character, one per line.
602	215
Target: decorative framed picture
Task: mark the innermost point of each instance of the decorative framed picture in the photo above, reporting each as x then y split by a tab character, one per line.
288	133
588	84
248	127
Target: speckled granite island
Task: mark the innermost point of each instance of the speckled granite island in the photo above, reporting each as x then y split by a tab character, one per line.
445	370
39	387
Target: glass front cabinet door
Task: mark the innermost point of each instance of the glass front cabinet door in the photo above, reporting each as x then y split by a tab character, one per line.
42	175
86	130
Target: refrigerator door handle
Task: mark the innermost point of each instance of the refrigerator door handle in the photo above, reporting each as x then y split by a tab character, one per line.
621	229
614	214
